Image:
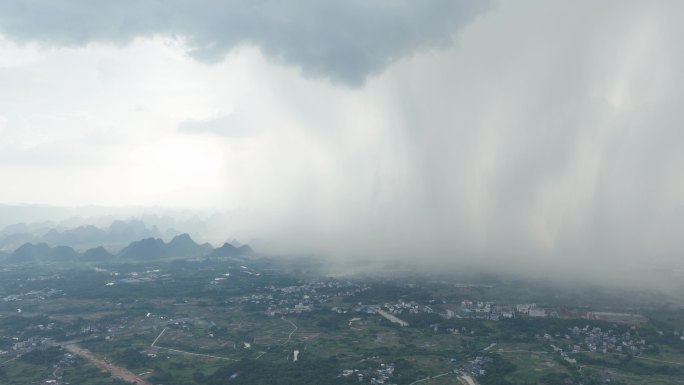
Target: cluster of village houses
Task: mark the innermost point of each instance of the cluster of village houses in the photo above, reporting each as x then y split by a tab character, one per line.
588	339
475	367
295	299
490	311
374	376
34	295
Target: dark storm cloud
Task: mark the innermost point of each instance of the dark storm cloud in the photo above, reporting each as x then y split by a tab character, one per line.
343	41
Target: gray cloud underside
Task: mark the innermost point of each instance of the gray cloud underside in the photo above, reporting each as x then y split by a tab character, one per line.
343	41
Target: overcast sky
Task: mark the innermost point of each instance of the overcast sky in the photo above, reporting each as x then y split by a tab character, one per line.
550	130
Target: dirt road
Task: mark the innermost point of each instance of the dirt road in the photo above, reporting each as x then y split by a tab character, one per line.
115	371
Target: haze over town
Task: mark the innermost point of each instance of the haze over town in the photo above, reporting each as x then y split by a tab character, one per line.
529	136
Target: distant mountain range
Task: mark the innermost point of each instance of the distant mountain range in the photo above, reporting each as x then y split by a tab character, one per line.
145	249
228	250
118	234
30	252
154	248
